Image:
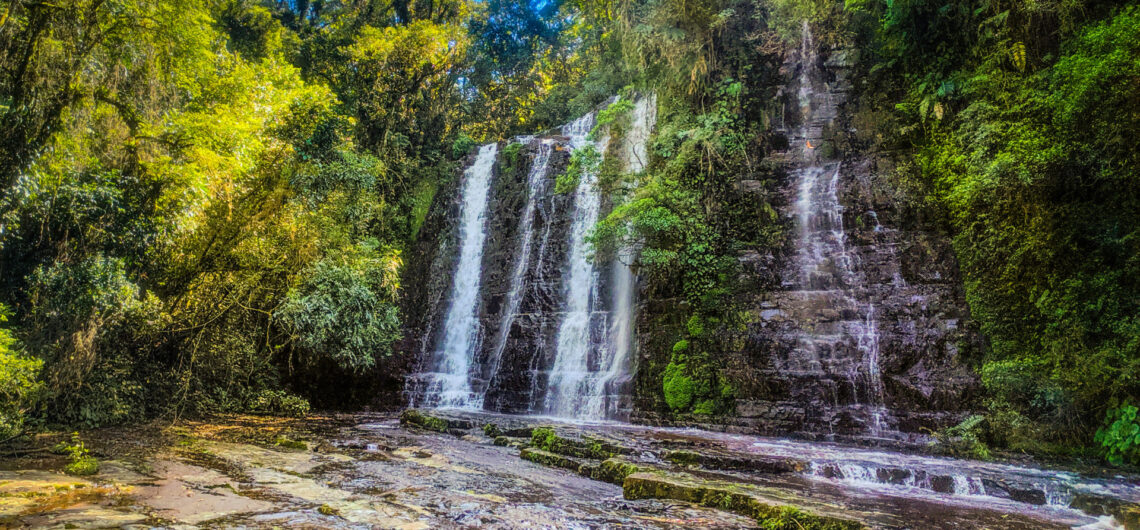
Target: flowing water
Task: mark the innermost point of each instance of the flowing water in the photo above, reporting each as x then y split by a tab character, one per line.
449	384
536	184
592	373
575	373
586	371
579	321
826	269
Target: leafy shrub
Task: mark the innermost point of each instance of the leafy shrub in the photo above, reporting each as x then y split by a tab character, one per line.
19	389
279	402
86	319
1120	437
510	154
82	463
462	145
582	161
610	114
344	308
964	439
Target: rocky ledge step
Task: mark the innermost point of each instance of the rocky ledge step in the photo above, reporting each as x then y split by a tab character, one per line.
724	461
737	498
547	439
419	419
495	430
612	470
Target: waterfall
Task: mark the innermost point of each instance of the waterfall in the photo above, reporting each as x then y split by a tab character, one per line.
571	376
826	270
623	302
536	183
449	385
565	336
590	371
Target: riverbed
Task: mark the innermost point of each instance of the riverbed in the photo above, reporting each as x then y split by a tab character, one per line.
449	470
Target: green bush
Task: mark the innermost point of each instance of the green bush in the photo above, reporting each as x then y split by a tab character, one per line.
82	463
279	402
344	308
462	145
582	161
19	389
1120	436
964	439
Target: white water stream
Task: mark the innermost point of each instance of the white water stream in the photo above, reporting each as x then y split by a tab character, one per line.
449	385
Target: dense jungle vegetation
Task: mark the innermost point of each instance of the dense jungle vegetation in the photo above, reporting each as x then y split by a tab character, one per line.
203	203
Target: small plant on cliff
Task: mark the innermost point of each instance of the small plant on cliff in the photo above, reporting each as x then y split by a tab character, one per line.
1120	437
584	160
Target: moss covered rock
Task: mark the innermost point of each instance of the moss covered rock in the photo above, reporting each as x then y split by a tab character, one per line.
614	470
735	462
547	458
546	439
736	498
416	418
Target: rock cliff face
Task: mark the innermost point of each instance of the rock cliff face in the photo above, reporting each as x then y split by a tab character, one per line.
858	327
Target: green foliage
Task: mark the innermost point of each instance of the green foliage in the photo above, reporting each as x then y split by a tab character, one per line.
19	387
1120	436
510	154
85	319
82	463
585	160
1018	115
279	403
964	439
463	144
422	198
613	112
544	438
344	308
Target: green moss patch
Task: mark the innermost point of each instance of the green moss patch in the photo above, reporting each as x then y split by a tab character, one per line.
735	498
614	471
546	439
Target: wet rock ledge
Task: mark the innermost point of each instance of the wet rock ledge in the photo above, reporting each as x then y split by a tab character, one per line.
811	489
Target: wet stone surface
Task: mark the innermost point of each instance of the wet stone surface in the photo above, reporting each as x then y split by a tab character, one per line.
368	471
355	472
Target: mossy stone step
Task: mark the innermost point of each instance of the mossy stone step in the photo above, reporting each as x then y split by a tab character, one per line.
422	420
495	430
547	439
742	499
735	462
547	458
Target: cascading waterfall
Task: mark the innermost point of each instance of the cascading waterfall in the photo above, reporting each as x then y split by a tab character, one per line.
826	268
536	182
623	302
449	385
546	295
571	376
589	372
